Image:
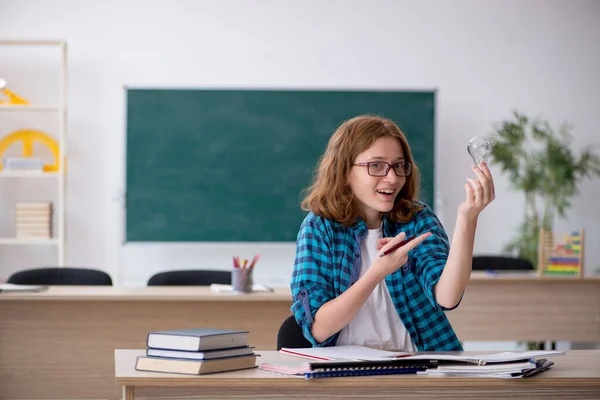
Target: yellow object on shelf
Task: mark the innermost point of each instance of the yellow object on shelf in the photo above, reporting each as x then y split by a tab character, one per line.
13	98
28	137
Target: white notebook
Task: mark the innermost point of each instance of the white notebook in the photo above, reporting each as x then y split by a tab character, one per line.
483	359
353	352
346	352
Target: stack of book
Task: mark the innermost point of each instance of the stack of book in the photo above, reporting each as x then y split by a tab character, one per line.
504	369
197	351
33	220
358	360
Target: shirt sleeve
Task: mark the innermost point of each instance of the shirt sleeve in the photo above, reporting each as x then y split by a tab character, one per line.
312	280
431	255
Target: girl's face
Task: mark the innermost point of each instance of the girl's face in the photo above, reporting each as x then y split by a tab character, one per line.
376	194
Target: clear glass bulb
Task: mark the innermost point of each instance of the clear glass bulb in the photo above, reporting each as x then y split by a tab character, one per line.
479	149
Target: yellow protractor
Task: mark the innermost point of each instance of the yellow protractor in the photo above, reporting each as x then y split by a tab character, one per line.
28	137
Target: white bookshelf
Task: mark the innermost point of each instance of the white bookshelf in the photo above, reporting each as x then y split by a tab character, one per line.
28	174
15	241
31	108
60	110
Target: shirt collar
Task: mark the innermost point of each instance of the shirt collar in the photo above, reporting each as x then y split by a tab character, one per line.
360	227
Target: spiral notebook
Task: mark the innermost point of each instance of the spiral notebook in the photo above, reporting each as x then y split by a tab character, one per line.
337	368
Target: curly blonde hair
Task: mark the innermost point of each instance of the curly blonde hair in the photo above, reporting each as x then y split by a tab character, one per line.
330	195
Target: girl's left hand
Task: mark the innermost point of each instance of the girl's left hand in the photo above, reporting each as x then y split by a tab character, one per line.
480	192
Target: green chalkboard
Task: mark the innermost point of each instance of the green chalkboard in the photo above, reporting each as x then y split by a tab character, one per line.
230	165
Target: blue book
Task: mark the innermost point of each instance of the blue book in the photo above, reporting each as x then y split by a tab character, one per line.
198	339
201	355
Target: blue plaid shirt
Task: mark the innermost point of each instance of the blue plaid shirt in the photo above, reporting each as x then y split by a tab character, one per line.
328	262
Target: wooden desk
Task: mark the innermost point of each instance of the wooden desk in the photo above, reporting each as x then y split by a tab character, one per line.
574	376
63	339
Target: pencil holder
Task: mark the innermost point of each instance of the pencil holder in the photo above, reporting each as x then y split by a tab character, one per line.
241	280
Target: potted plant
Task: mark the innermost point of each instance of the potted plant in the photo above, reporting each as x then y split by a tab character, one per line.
542	164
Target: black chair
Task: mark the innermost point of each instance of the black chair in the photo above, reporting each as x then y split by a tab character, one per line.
501	263
61	276
290	335
190	278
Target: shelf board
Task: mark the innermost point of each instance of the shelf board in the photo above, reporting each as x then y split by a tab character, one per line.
27	174
29	42
23	241
12	107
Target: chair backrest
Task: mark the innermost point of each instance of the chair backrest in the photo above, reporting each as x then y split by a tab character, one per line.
190	278
61	276
501	263
290	335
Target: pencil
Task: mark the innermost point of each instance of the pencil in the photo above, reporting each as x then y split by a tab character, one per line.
396	246
254	260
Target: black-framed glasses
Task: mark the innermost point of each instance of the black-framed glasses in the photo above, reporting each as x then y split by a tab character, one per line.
381	168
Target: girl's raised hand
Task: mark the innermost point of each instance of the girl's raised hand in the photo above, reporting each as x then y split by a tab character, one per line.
479	192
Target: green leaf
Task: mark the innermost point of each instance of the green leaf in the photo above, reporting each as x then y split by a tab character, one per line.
549	172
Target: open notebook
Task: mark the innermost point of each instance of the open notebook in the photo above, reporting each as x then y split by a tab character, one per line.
348	352
358	360
353	352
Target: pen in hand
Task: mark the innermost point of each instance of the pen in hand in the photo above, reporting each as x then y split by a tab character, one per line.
396	246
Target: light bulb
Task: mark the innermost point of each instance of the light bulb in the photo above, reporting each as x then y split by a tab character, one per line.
479	149
2	83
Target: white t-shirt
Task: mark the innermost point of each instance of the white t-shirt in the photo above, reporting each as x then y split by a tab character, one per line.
377	324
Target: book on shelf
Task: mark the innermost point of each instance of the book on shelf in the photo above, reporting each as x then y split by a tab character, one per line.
195	367
197	339
33	164
37	206
33	220
201	355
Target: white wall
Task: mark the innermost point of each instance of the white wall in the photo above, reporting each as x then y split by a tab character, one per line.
486	58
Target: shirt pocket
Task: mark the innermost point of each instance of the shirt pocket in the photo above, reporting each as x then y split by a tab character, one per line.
410	266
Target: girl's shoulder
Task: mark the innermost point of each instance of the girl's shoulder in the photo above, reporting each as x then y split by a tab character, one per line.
424	211
316	221
324	225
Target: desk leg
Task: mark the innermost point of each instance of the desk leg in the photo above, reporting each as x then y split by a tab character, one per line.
128	392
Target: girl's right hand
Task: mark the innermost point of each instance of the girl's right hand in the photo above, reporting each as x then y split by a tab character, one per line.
389	263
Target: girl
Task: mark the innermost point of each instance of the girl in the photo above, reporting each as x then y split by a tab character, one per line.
347	288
